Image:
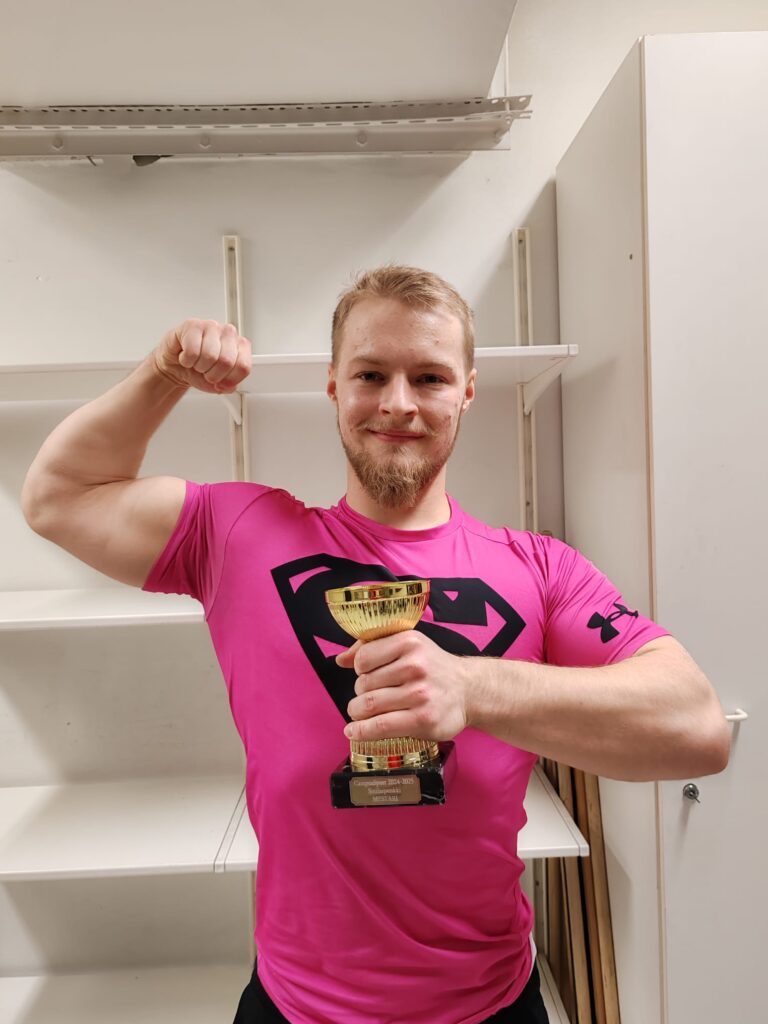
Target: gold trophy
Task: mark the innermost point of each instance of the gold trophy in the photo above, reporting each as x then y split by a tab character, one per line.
401	770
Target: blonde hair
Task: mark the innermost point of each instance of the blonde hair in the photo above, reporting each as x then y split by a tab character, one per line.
413	287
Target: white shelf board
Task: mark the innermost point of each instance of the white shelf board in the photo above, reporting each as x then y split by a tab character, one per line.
288	373
173	995
176	825
168	995
549	832
96	606
277	51
50	382
496	367
552	1001
152	826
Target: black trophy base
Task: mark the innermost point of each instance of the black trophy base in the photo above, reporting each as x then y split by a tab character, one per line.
393	787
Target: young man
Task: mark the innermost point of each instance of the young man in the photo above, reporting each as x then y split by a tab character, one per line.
411	915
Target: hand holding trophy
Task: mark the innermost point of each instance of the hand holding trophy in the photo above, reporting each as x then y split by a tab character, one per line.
399	770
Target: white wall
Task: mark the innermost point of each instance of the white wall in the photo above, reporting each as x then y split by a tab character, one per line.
96	262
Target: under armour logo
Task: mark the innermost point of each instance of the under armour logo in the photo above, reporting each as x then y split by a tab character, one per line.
607	631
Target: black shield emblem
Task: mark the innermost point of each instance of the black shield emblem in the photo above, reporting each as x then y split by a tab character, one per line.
302	583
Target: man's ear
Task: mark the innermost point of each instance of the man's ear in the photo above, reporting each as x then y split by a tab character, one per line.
330	387
469	392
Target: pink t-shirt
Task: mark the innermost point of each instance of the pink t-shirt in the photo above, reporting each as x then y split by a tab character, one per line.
397	915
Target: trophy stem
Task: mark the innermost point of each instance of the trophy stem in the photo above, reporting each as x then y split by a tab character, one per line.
398	752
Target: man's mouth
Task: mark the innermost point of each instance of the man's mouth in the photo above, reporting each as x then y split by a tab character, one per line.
395	436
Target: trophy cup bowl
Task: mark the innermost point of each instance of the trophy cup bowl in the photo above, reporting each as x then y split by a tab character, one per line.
398	770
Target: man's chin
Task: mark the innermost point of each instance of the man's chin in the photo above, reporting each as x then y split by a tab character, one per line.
398	496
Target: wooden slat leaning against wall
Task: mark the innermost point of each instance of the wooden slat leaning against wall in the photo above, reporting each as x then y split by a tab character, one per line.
580	936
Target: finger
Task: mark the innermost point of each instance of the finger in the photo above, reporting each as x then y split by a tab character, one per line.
188	342
396	723
242	367
347	658
376	653
395	673
227	355
382	702
210	348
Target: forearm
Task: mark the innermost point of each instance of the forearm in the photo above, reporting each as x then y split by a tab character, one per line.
104	440
648	717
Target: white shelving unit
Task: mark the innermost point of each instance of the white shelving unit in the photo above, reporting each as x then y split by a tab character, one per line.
92	833
181	825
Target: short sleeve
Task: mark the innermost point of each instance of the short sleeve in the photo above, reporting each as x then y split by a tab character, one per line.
192	559
588	621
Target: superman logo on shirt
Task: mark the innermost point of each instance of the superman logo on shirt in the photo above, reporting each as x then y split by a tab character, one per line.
460	602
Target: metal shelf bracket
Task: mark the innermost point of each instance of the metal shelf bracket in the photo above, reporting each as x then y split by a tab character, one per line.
234	404
149	133
535	388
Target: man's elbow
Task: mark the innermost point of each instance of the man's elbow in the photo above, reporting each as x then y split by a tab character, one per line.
40	500
33	505
712	748
720	747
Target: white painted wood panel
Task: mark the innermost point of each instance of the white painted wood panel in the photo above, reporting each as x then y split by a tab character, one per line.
239	51
703	100
601	268
193	443
707	143
90	705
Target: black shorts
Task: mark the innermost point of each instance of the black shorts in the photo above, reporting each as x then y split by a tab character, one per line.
257	1008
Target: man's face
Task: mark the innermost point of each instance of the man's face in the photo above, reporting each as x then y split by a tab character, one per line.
400	387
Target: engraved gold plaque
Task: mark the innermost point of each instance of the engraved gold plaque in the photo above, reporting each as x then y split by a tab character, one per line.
376	791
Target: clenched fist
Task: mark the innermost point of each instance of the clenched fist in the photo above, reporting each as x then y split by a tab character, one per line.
204	354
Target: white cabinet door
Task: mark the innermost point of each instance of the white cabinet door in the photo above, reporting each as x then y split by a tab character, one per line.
707	168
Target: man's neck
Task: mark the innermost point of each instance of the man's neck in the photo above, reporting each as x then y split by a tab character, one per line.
431	509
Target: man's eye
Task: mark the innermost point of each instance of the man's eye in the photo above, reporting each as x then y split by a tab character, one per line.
369	376
431	378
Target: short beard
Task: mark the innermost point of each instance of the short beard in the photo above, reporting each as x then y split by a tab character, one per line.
394	484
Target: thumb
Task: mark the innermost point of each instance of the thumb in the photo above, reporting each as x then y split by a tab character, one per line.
347	658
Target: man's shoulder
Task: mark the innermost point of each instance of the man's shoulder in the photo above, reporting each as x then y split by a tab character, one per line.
230	501
240	494
542	552
507	536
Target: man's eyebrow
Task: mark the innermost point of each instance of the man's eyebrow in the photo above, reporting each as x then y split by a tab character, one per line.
363	358
427	365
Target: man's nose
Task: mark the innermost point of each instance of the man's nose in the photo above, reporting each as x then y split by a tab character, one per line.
397	397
